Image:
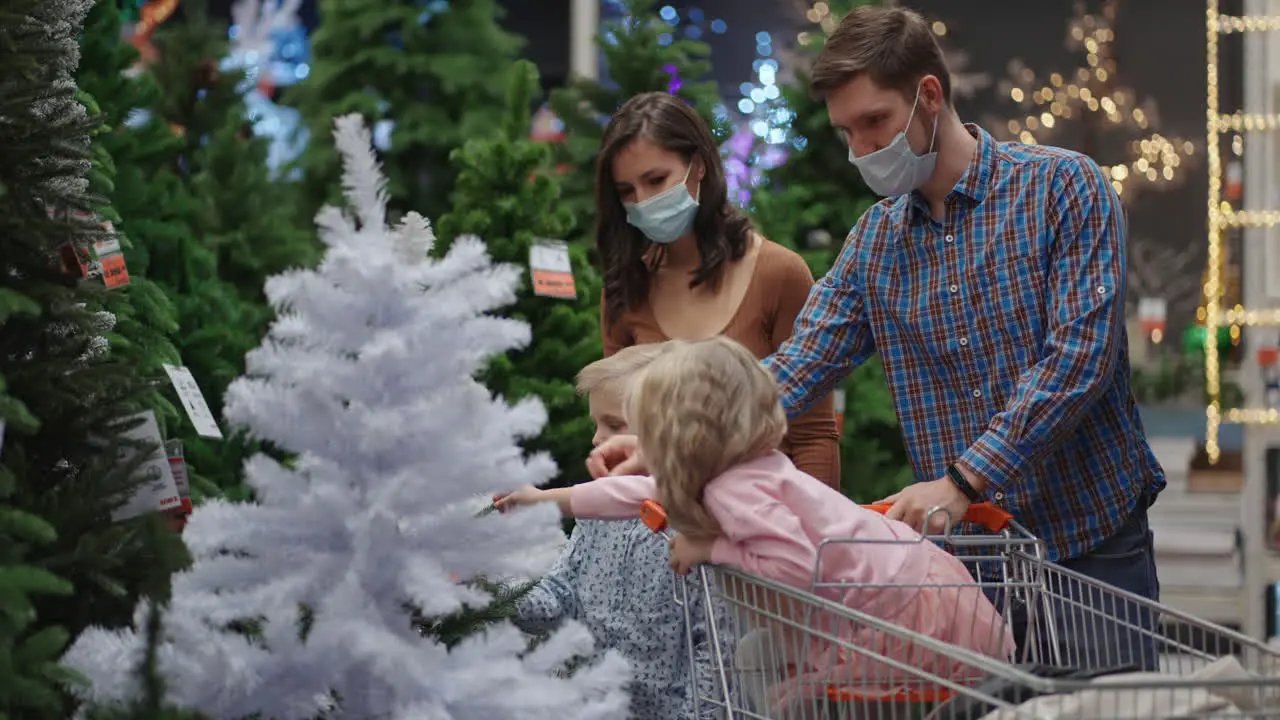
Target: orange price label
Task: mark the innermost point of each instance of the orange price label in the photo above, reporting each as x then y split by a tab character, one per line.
551	270
554	284
114	273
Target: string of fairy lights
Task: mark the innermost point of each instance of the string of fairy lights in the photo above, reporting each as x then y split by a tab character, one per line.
1223	217
1092	91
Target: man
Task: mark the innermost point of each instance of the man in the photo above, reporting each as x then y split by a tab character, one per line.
991	281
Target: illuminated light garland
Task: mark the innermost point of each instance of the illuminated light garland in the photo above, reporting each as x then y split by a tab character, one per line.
1212	371
1222	216
1248	218
1228	25
1247	122
1249	318
1090	91
1262	416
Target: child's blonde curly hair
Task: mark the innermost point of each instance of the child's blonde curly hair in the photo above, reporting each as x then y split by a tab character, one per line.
698	409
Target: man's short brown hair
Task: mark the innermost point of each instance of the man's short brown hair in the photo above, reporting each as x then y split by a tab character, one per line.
894	46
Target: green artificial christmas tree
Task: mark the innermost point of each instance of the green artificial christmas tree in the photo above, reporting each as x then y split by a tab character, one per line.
206	221
146	319
243	230
248	219
504	195
65	466
810	203
636	61
31	681
434	69
151	207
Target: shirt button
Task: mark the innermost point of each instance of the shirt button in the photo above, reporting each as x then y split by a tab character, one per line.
1102	290
977	393
951	238
954	288
964	342
998	496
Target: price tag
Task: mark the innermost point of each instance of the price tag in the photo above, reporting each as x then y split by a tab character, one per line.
103	248
1152	313
75	260
193	401
551	270
158	491
114	273
838	399
178	468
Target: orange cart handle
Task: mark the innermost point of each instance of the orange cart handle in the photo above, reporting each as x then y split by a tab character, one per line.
653	515
985	514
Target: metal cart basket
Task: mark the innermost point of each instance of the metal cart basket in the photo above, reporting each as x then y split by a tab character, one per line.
1084	650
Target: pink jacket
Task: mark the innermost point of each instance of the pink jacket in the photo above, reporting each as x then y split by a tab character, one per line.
774	517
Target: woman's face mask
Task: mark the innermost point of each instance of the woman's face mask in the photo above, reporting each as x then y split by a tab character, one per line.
895	169
666	216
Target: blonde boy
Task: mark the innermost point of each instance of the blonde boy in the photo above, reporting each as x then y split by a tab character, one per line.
615	577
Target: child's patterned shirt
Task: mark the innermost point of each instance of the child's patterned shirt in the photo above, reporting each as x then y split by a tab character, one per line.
615	578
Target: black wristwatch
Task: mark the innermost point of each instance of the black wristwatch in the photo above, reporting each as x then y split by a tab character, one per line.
959	480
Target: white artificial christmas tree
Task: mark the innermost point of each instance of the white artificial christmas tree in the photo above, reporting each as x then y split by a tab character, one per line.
367	377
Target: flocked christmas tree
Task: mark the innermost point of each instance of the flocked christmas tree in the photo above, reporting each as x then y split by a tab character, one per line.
431	72
66	400
367	378
505	195
810	203
638	59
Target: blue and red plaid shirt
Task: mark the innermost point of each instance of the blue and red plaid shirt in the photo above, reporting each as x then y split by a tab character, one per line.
1002	333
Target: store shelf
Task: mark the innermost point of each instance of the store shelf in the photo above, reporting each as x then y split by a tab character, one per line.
1222	606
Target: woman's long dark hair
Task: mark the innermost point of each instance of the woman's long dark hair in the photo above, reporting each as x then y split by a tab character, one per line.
723	232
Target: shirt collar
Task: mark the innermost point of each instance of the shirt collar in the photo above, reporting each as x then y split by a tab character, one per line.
975	183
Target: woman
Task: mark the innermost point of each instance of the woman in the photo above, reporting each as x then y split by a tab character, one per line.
681	262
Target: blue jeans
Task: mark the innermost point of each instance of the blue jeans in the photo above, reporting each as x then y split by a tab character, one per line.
1093	630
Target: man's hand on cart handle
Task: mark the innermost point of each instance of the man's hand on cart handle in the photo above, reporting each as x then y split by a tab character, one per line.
984	514
619	455
916	502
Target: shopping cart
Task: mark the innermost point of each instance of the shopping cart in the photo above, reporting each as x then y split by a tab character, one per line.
782	653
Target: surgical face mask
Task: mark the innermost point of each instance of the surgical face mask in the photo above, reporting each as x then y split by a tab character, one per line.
895	169
666	216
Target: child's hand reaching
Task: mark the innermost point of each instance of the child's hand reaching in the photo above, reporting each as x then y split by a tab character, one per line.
527	495
687	552
530	495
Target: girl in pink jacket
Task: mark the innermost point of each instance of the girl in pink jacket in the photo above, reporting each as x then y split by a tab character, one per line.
709	421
